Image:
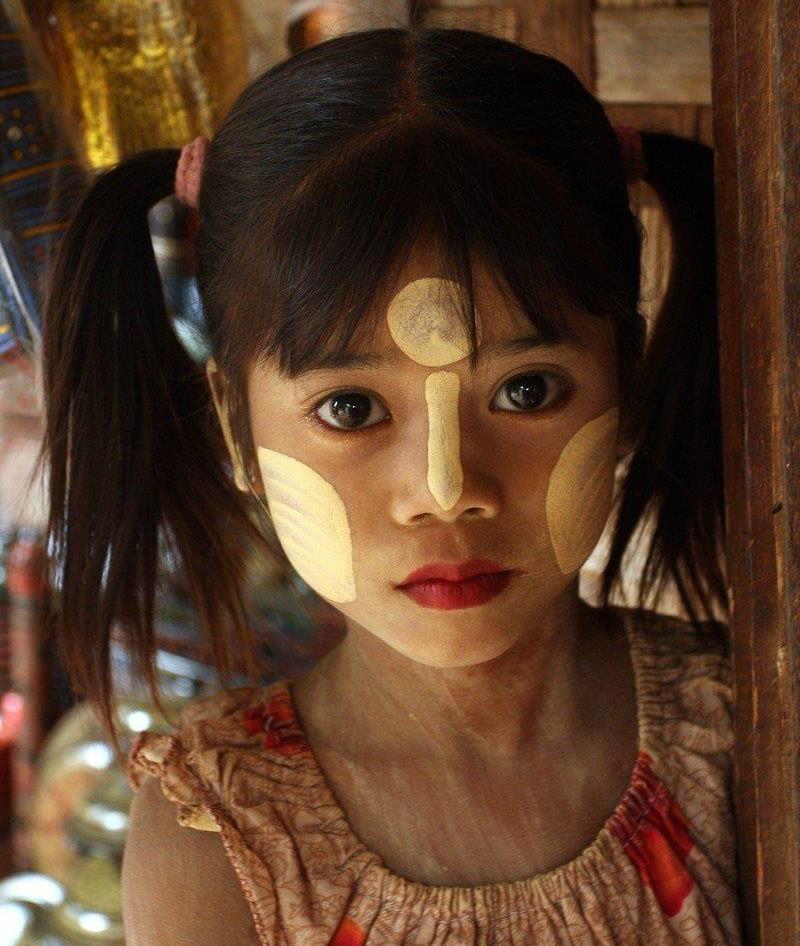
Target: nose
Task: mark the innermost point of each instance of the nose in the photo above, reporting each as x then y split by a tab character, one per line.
480	496
480	499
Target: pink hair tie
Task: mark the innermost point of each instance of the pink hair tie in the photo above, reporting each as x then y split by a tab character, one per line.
190	171
630	146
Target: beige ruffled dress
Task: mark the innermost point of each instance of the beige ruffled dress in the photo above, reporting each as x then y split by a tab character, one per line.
661	871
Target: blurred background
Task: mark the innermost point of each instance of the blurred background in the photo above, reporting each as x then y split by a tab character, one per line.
83	83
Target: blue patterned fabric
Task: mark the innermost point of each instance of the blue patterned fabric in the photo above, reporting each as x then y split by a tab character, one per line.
39	179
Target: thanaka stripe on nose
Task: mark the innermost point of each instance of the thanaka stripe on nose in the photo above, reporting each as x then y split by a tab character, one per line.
445	476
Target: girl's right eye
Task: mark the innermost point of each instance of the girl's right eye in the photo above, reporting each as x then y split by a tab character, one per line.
349	410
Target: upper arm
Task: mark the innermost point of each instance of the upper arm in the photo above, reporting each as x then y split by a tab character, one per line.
178	886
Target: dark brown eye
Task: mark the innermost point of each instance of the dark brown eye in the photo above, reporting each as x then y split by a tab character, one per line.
350	410
526	392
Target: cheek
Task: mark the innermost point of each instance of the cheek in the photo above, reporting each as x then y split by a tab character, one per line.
580	491
311	522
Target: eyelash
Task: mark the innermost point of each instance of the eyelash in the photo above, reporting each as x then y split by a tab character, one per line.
314	417
563	386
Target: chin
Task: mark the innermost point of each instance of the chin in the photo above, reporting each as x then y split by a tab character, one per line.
436	647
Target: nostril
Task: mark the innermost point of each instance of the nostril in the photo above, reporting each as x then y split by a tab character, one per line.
421	517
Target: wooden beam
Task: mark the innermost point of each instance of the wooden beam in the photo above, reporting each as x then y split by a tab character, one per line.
500	19
648	3
756	88
560	28
653	55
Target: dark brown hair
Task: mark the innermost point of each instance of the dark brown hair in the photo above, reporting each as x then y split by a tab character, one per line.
326	172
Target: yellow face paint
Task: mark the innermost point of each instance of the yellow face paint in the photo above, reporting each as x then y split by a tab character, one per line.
311	522
584	469
445	476
426	325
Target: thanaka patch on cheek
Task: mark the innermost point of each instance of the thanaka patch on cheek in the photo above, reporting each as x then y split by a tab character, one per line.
311	522
425	324
580	491
445	475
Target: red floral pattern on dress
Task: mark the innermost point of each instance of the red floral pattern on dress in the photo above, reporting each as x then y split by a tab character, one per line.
348	933
277	720
656	838
303	868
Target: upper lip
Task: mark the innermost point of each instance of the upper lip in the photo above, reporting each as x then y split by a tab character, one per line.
453	571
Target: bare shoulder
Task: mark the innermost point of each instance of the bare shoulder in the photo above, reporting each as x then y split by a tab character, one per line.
178	886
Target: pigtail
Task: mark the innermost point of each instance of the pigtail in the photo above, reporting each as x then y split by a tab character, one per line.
135	454
676	470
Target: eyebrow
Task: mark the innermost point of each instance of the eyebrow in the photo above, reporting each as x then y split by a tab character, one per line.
393	356
523	343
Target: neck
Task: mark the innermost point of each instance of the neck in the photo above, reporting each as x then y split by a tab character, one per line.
535	698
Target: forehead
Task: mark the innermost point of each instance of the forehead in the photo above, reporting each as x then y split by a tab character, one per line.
489	288
504	327
499	316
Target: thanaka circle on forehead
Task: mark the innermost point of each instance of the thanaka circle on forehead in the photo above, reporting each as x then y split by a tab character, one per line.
310	520
580	491
425	323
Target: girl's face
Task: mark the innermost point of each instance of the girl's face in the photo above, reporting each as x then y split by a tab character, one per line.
373	471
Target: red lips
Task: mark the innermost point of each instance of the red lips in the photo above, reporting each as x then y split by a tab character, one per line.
447	571
447	586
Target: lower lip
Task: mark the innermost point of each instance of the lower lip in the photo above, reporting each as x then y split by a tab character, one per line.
449	595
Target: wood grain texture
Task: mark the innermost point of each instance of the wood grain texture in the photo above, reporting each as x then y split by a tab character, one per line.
756	76
560	28
495	19
627	4
650	3
653	55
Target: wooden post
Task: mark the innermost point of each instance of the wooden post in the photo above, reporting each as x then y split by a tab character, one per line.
756	102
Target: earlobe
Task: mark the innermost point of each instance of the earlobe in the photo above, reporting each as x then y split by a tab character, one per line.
215	382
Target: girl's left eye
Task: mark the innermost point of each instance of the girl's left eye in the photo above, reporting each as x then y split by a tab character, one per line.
528	392
349	410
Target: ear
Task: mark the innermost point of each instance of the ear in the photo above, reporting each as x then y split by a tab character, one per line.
216	382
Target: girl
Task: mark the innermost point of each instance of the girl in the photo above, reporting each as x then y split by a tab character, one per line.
420	274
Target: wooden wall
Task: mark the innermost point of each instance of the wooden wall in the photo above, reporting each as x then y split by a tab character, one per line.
756	70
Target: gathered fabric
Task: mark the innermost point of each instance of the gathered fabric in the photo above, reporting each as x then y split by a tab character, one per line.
661	871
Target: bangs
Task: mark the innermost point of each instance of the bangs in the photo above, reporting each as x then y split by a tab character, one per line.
319	268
